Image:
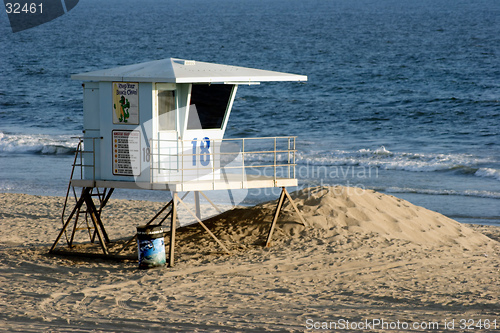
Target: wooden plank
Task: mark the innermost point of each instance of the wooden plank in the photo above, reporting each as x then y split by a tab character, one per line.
102	202
205	227
294	207
74	229
210	201
94	216
75	209
197	204
127	244
275	218
171	252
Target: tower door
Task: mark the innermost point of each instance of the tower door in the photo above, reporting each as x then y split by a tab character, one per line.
166	149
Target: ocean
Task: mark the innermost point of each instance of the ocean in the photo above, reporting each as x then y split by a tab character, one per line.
402	96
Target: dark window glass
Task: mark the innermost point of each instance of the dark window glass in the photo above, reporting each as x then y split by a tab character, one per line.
211	102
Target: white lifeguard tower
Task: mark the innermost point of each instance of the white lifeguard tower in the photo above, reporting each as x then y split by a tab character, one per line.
160	125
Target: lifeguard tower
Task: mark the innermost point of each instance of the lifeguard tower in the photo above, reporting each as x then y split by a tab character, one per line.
160	125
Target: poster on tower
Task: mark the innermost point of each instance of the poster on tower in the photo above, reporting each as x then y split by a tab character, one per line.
126	103
126	153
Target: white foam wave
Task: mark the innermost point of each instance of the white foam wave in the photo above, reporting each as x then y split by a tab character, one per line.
488	173
387	160
467	193
36	144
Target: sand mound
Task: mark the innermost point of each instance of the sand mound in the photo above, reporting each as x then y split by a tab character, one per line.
366	211
349	212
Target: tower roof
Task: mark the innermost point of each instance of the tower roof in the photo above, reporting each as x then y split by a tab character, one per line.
186	71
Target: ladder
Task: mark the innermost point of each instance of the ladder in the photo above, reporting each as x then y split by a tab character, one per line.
86	212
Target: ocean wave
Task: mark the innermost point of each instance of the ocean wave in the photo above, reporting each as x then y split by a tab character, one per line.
384	159
467	193
488	173
387	160
37	144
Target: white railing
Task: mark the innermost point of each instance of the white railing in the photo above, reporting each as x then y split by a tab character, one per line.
85	158
214	159
202	159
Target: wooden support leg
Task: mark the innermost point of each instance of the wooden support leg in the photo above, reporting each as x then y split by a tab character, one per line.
165	217
173	225
75	226
79	204
96	219
159	213
210	201
276	215
102	203
127	244
70	244
205	227
294	207
197	204
106	198
103	231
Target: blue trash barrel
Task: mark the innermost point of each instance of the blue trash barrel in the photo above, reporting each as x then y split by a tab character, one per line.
151	246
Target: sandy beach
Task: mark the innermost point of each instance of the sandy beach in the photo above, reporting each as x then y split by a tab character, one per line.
363	260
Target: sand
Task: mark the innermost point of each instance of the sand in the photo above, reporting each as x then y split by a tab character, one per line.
363	257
